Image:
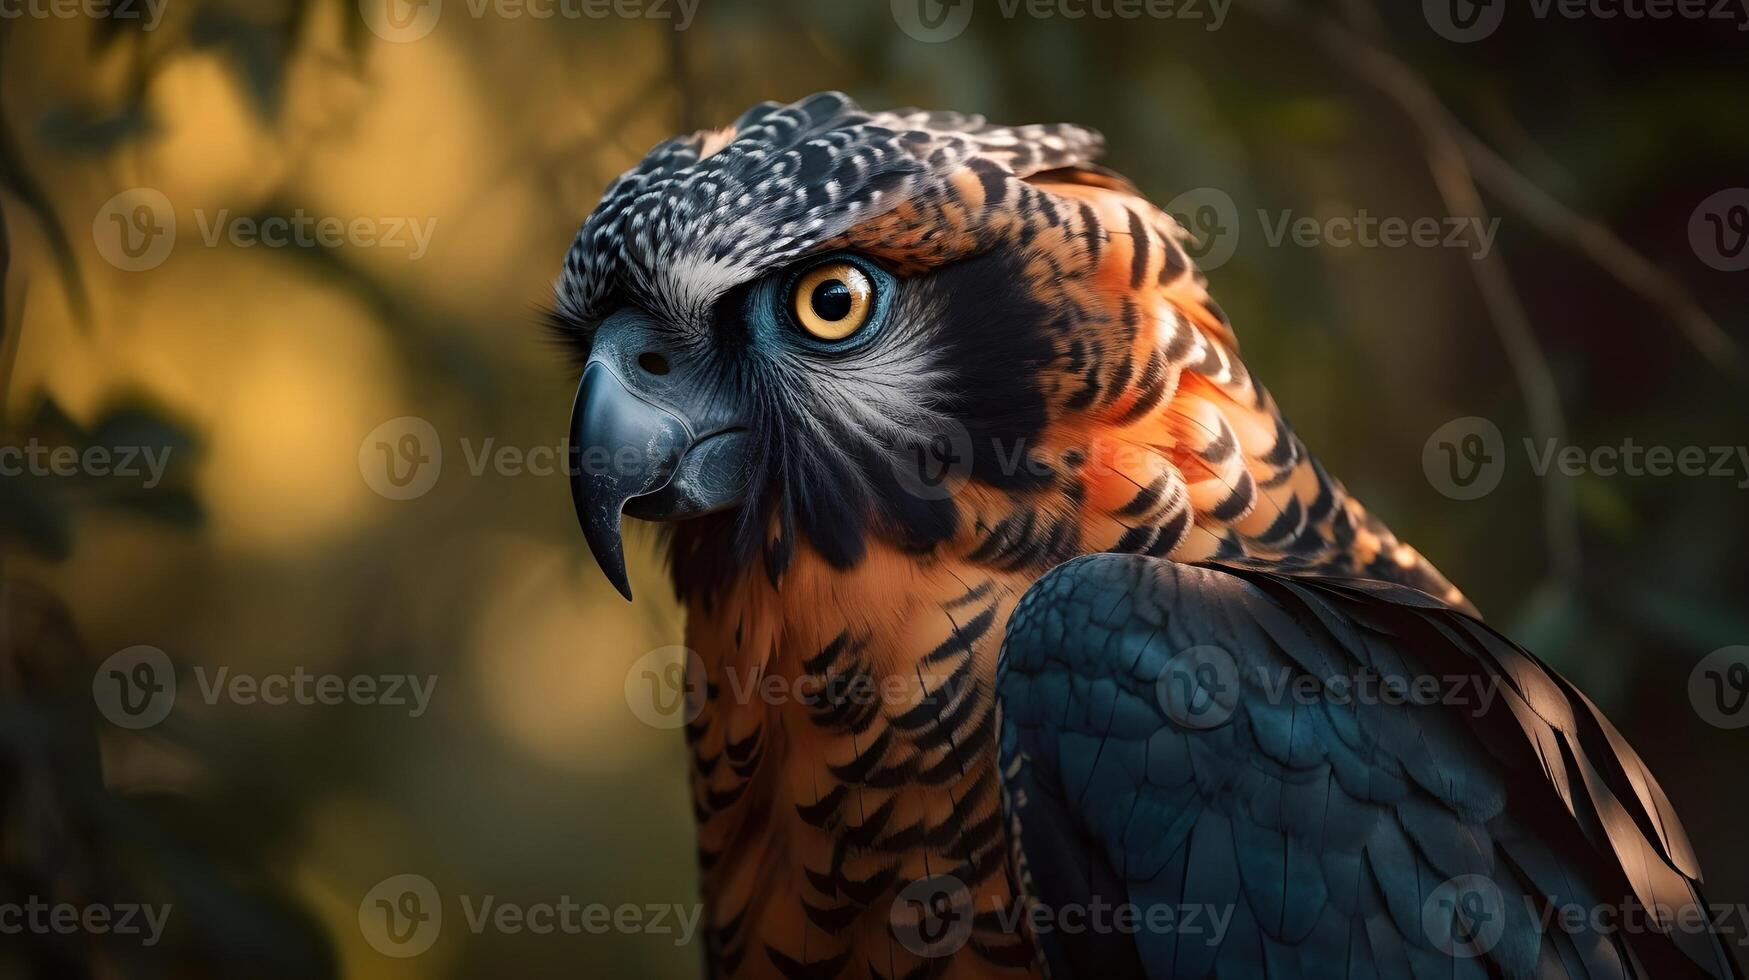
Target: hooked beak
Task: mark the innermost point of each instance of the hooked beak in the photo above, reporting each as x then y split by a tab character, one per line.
646	441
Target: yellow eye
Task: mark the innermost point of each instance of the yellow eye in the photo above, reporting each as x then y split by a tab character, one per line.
834	300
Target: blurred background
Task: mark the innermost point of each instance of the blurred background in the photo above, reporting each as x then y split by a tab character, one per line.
329	405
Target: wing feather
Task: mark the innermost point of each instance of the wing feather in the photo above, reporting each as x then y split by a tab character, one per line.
1338	835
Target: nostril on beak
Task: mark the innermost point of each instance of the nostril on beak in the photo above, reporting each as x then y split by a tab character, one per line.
653	362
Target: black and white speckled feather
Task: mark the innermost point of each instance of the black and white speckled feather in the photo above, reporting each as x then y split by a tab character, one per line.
699	215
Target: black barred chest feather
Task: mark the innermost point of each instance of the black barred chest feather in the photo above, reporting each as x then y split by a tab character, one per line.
859	759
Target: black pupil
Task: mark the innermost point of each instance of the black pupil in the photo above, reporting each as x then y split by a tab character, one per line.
831	300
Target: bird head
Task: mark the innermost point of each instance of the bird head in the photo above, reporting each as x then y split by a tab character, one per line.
823	326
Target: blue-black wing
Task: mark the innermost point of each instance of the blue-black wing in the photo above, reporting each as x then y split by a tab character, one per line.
1287	777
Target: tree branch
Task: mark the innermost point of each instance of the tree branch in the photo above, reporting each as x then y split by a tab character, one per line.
1444	141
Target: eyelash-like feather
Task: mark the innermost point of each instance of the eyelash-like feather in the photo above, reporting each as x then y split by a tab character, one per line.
572	335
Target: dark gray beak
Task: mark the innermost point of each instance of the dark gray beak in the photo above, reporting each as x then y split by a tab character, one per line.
649	438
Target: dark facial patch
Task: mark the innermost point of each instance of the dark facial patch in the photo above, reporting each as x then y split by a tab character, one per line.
993	339
988	337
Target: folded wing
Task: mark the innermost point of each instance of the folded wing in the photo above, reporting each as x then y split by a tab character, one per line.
1298	777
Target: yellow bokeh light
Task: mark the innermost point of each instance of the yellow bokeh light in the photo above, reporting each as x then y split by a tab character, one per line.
550	661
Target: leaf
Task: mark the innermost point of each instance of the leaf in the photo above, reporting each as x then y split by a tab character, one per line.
132	425
39	507
258	49
81	130
22	184
175	507
40	520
